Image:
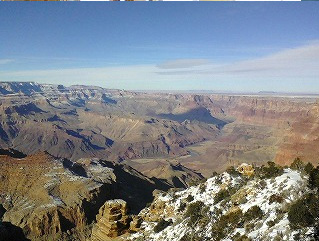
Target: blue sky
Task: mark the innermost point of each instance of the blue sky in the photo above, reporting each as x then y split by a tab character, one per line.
236	46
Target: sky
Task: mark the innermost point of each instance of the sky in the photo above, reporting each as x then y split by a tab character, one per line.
221	46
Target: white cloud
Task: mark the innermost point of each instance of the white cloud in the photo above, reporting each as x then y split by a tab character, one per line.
6	61
182	63
301	61
298	64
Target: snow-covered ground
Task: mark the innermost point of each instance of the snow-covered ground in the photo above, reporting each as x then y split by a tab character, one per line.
273	225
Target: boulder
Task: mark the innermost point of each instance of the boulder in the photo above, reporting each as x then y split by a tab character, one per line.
246	169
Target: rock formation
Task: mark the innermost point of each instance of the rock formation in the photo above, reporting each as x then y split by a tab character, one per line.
246	169
111	221
50	198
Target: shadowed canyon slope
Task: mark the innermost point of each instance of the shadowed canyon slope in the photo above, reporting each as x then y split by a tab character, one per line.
204	132
45	196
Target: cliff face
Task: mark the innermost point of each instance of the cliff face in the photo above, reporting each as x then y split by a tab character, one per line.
48	197
301	139
262	110
44	198
291	123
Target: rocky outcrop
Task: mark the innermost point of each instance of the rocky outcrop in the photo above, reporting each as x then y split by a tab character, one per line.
246	169
44	198
158	208
48	197
111	221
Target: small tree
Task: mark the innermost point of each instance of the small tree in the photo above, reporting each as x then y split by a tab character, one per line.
275	198
314	178
181	207
253	213
197	213
297	164
226	224
189	198
232	171
308	168
304	212
162	224
223	194
269	171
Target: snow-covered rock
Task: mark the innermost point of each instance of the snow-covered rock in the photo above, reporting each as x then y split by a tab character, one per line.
272	196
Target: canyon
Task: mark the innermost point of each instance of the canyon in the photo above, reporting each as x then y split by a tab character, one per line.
73	160
205	132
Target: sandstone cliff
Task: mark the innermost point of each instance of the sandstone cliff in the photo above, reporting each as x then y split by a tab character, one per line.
53	198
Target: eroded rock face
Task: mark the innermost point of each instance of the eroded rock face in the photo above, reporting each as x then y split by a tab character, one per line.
112	220
43	197
54	198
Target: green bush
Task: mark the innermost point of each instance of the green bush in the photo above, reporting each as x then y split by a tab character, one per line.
223	194
262	184
140	239
308	168
189	198
271	223
253	213
202	187
181	207
219	180
239	237
232	171
275	198
232	190
297	164
304	212
314	178
197	213
214	174
226	224
191	237
269	171
196	182
249	227
297	236
161	225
